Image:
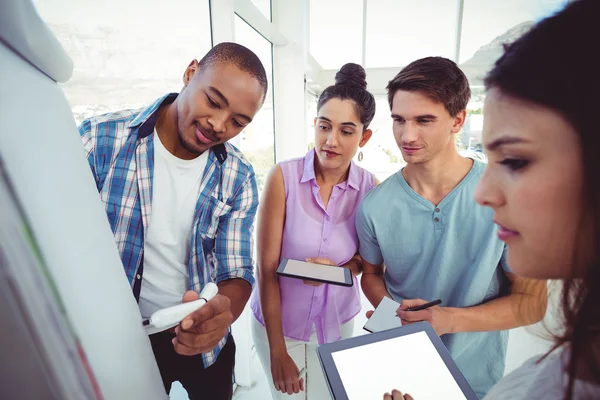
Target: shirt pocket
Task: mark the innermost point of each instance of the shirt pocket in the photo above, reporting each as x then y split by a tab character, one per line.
215	211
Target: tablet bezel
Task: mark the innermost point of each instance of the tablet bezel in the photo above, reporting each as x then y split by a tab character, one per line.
347	274
334	382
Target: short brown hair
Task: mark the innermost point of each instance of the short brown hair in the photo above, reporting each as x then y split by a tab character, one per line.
436	77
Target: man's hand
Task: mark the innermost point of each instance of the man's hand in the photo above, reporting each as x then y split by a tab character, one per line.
202	330
397	395
317	260
439	317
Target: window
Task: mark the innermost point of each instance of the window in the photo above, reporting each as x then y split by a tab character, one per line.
126	53
264	6
381	155
401	31
487	26
257	141
311	114
336	32
469	138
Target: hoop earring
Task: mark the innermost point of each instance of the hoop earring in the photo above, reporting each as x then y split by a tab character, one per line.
360	156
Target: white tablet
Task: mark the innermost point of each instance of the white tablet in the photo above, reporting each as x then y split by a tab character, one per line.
384	317
412	359
315	272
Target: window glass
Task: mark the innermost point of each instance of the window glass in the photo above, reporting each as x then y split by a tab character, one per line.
264	6
488	24
126	54
336	32
257	140
401	31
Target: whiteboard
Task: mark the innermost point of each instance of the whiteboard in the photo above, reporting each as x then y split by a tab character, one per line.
44	159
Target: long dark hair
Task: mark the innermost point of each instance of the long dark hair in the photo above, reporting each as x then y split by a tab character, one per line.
556	65
351	84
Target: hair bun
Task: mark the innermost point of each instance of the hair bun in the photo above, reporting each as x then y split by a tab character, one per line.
351	74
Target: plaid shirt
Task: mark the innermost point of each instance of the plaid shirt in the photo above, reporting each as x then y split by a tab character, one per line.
120	150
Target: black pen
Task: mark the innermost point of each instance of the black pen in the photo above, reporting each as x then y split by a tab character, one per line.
424	306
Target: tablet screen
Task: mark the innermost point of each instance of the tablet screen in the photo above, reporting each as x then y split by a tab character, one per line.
315	271
409	363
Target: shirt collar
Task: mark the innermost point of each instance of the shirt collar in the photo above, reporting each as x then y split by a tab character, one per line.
146	120
309	166
353	177
309	172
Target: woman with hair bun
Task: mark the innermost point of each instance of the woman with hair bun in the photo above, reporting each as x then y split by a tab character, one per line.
307	212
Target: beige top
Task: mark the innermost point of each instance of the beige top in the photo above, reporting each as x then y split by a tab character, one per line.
546	380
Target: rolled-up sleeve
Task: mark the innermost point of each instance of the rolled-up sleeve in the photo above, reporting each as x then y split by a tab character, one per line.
234	245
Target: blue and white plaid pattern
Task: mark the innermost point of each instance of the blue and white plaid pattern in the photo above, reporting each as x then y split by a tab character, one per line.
120	150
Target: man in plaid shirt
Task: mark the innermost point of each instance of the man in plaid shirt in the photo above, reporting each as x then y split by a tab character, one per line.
181	203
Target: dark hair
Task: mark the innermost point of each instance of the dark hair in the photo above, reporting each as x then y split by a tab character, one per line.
555	65
351	84
238	55
436	77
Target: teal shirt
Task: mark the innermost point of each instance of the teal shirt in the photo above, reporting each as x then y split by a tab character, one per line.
450	251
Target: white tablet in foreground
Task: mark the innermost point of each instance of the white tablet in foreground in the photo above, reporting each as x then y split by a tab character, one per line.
412	359
384	317
315	272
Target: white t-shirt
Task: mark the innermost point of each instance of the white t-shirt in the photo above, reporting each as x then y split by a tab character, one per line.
546	380
175	190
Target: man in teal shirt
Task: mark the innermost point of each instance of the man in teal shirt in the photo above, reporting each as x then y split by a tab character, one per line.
423	237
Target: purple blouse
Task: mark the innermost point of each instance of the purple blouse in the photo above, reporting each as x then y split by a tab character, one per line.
311	230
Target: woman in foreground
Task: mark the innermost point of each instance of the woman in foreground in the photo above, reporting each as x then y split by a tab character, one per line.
543	182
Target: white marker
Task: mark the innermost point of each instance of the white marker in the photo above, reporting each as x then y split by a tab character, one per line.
302	373
169	317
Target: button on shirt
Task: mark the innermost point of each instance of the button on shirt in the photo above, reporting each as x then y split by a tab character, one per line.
313	230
